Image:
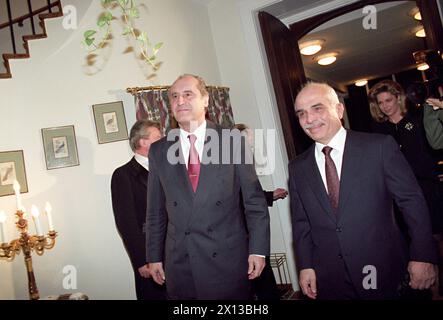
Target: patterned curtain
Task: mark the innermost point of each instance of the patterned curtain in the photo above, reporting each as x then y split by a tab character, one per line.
153	104
220	109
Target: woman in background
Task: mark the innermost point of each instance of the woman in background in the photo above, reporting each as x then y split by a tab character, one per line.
387	103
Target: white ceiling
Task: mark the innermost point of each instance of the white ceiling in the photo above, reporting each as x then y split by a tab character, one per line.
362	53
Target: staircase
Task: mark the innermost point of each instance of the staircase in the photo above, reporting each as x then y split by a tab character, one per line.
18	20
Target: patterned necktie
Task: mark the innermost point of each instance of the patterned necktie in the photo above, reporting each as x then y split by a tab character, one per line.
332	180
193	163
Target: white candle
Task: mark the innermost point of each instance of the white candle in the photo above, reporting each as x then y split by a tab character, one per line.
16	187
48	209
2	230
35	214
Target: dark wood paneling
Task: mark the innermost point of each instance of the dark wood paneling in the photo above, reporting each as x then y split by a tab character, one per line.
287	77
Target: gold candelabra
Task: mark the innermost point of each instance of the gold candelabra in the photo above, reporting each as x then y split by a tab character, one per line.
27	243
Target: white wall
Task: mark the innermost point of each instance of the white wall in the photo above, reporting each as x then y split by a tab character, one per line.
239	69
53	89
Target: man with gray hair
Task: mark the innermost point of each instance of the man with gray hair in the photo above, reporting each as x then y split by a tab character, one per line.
347	244
129	187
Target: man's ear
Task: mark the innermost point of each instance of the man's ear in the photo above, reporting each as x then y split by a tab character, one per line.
206	101
340	110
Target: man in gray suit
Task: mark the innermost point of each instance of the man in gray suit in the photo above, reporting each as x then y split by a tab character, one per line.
347	244
197	229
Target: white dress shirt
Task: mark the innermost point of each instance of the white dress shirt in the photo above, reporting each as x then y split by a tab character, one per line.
200	133
337	144
143	161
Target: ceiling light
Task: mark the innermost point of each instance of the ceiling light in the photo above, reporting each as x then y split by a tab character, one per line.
417	16
420	33
415	13
310	48
361	83
327	59
423	67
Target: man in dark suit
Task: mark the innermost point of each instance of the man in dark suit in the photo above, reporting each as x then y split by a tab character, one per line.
347	244
128	188
197	239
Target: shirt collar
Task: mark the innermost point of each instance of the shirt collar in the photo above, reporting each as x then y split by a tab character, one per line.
337	142
143	161
200	133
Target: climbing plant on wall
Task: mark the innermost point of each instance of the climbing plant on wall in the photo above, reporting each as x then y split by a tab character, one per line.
127	12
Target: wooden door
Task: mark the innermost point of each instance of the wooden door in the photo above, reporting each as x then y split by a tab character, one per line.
287	74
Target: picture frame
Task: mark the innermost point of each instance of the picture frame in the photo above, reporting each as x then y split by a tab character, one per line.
110	122
12	167
60	146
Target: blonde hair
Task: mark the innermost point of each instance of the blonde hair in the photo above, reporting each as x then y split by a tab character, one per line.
388	86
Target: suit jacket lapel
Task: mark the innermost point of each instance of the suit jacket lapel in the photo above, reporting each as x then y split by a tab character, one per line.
208	171
350	169
313	177
180	172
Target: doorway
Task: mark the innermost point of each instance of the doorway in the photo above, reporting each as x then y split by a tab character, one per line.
287	67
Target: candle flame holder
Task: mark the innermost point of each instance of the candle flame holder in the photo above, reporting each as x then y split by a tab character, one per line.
27	243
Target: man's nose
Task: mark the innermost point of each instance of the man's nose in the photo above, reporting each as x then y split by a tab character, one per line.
180	100
309	117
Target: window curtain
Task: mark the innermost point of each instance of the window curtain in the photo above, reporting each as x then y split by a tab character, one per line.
153	104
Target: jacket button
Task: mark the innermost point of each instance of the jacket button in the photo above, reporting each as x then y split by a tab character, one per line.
214	254
218	203
175	204
340	256
187	233
338	230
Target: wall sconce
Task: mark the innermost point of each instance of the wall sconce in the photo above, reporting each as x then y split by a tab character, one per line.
420	33
310	48
415	13
361	83
423	67
327	59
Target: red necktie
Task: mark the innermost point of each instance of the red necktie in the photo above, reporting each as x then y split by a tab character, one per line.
193	163
332	180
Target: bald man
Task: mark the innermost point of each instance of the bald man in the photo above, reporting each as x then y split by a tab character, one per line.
347	243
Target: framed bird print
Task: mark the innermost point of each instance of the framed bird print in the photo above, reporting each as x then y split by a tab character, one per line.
60	147
110	122
12	168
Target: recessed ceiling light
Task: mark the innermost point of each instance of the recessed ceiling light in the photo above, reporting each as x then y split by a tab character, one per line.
327	59
415	13
420	33
310	48
361	83
423	67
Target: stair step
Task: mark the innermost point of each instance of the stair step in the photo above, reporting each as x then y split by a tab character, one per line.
34	37
5	75
7	56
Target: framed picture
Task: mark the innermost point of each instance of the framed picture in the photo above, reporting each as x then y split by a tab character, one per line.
60	147
12	167
110	122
